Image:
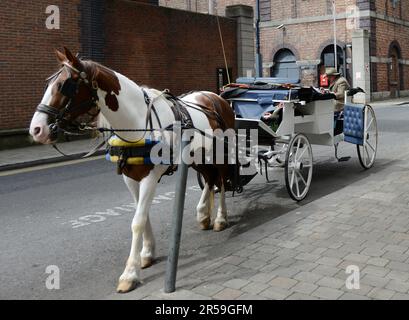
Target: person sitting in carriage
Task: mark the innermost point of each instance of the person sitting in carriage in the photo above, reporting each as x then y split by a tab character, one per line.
338	85
273	118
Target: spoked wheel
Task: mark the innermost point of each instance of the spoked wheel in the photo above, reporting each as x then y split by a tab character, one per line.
367	152
298	167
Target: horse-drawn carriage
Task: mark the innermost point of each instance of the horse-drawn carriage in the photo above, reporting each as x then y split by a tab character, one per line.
303	117
300	117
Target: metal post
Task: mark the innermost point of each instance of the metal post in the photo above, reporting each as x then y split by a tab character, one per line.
334	11
173	255
259	70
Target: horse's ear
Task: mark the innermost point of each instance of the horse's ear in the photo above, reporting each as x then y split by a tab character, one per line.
60	56
71	58
69	55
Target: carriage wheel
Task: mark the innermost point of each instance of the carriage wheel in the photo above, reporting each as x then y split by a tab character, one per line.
367	152
298	167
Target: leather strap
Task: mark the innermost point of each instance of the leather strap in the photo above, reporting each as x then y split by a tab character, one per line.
48	110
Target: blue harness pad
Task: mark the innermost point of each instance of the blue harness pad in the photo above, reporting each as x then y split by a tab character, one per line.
354	123
133	153
254	103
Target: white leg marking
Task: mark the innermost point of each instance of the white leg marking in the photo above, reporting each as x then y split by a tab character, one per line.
203	209
144	197
220	222
148	247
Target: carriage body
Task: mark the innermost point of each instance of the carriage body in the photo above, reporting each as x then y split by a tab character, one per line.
313	118
306	118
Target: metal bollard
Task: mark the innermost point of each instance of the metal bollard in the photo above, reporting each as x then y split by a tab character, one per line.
173	255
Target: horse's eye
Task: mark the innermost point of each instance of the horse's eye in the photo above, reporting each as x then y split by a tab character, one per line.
59	85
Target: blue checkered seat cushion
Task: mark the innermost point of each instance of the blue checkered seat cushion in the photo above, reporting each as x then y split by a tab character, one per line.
354	123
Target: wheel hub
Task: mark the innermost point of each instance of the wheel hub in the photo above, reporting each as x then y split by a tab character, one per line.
298	166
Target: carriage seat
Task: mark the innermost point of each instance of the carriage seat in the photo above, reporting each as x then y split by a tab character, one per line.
354	123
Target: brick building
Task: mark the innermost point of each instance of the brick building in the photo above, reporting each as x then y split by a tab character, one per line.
297	40
152	45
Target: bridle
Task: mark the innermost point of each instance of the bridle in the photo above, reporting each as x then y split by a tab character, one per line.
69	90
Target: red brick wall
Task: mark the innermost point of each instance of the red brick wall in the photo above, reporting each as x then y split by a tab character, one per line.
388	33
305	40
26	54
166	48
308	39
155	46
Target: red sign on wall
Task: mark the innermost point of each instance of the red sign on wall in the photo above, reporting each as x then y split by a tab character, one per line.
323	80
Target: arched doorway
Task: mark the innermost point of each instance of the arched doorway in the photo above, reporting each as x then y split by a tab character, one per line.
328	60
285	65
395	74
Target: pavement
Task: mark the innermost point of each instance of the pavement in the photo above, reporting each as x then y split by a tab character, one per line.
304	253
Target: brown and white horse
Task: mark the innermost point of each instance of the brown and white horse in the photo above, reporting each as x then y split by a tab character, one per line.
84	85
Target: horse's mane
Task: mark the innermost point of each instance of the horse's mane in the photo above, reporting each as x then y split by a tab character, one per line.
96	70
93	69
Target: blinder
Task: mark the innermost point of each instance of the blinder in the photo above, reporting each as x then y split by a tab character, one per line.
69	88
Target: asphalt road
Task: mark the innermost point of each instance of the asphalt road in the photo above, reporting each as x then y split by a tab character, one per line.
78	217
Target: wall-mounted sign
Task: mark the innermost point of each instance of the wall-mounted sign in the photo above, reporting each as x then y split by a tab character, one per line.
222	78
324	80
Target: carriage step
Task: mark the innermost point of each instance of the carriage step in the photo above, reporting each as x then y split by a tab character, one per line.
344	159
265	155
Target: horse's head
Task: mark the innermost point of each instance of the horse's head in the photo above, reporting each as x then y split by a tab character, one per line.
71	92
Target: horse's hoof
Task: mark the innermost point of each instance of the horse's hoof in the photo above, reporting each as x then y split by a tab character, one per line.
125	286
146	262
205	224
219	226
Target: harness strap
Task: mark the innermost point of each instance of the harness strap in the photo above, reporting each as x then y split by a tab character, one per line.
48	110
149	103
180	112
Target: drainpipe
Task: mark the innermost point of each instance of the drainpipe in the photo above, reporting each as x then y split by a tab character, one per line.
334	12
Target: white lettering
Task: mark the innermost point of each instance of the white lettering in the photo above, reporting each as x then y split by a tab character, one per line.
53	280
353	281
53	20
